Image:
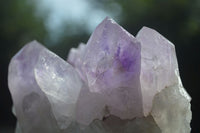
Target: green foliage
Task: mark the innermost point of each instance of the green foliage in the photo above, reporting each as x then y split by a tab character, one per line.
18	26
175	19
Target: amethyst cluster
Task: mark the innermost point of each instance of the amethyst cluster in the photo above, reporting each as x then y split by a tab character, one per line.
116	83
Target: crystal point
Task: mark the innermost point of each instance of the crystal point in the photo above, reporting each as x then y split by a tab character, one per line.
42	88
158	65
112	53
116	83
31	105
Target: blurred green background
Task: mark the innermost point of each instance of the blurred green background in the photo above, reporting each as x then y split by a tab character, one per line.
62	24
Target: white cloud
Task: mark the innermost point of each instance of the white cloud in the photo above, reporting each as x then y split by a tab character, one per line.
76	12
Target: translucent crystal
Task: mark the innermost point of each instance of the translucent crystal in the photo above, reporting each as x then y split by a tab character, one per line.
111	64
116	83
158	65
44	88
161	85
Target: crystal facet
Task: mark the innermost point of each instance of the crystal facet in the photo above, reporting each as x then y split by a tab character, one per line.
115	83
117	57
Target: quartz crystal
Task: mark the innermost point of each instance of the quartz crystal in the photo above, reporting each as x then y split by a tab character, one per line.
116	83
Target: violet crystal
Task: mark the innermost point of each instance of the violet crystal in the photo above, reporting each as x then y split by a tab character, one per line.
116	83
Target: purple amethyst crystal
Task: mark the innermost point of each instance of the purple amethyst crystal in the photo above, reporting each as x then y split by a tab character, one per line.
116	83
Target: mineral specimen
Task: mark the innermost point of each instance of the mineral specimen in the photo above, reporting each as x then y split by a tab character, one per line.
116	83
